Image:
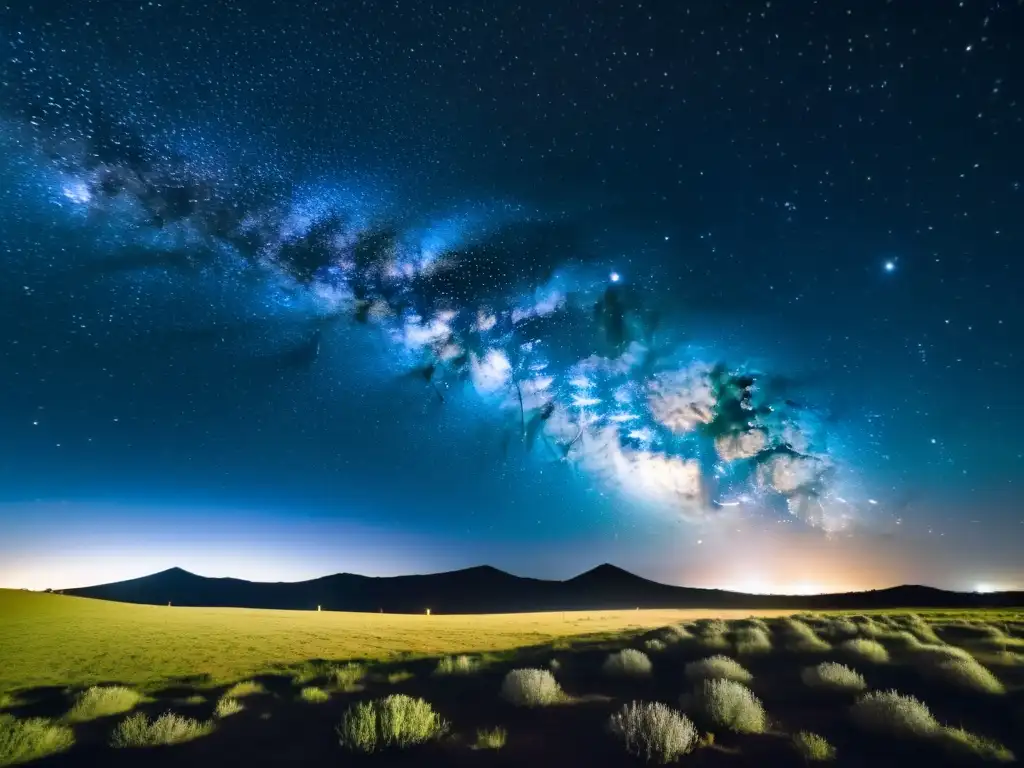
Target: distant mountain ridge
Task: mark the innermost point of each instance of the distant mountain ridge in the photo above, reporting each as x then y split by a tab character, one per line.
484	589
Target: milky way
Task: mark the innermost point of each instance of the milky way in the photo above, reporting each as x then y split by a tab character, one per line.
568	358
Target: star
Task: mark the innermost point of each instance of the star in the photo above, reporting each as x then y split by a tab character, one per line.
890	266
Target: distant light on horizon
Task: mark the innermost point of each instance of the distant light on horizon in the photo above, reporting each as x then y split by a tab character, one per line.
984	589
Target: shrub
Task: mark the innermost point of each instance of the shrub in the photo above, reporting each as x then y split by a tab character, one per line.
310	671
139	731
717	668
893	713
871	650
811	746
314	695
836	677
396	720
226	707
400	676
6	701
711	626
674	633
31	739
653	731
554	665
194	700
968	674
802	638
490	738
100	701
921	629
934	654
244	688
753	640
840	627
348	676
530	688
730	704
654	645
964	742
456	665
628	662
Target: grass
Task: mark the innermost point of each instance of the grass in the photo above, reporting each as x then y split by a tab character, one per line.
717	668
457	665
813	748
395	721
802	638
490	738
869	650
401	676
653	731
347	677
729	704
752	640
969	675
24	740
58	640
226	707
313	695
895	714
101	701
139	731
832	676
244	688
530	688
957	740
628	662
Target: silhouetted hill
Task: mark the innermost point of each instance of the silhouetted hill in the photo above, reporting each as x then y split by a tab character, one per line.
485	589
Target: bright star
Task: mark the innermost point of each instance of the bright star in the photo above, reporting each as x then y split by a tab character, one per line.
614	277
890	266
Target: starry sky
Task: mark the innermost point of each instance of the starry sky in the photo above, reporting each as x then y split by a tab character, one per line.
725	293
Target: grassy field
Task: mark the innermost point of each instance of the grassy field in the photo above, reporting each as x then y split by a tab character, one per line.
210	687
54	640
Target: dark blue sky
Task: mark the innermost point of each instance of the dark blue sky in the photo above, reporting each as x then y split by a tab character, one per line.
724	293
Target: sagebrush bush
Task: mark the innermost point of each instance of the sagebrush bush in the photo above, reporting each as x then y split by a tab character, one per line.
309	671
456	665
654	645
394	721
675	633
100	701
711	626
628	662
840	628
802	638
969	675
314	695
244	688
752	640
833	676
226	707
921	629
812	747
139	731
347	676
31	739
653	731
893	713
963	742
730	704
717	668
871	650
530	688
490	738
400	676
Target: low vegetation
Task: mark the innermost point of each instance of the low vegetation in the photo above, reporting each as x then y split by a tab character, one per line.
244	688
893	713
869	650
314	695
139	731
31	739
628	662
226	707
102	701
653	731
394	721
729	704
965	669
717	668
490	738
530	688
812	747
457	665
833	676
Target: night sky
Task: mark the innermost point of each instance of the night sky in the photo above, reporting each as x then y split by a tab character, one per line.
725	293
